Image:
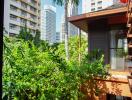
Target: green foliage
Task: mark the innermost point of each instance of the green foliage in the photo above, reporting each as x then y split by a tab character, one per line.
33	72
36	39
73	48
25	34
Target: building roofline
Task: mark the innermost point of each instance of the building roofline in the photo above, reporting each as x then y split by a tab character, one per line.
81	21
97	14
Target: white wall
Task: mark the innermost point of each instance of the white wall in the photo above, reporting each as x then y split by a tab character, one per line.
6	14
86	4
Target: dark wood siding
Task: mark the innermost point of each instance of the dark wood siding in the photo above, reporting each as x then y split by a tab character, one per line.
98	37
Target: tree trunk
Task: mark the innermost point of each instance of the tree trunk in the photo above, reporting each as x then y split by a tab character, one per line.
79	57
66	30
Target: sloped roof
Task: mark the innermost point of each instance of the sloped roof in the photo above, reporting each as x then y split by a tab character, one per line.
81	20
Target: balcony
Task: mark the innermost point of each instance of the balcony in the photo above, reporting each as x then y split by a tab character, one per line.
15	31
16	22
17	13
15	3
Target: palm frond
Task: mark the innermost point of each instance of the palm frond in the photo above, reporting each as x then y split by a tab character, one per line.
58	2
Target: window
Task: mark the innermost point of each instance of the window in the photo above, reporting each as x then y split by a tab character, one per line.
93	9
33	2
13	8
92	3
23	13
32	9
24	5
33	17
13	26
32	24
13	17
23	21
99	8
14	0
92	0
12	34
118	49
99	2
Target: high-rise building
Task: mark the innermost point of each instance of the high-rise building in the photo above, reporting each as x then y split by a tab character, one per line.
19	13
95	5
72	30
57	37
62	31
48	23
72	11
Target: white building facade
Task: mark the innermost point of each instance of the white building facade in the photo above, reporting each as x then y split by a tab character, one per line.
95	5
21	12
72	30
57	38
48	23
72	11
62	30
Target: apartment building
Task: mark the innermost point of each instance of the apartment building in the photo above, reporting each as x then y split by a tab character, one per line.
95	5
62	30
57	37
19	13
72	11
72	30
48	23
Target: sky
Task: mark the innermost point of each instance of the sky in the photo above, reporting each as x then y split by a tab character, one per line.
59	12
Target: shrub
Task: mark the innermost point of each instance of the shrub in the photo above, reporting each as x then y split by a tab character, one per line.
40	73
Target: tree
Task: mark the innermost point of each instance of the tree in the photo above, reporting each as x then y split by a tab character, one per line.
25	34
74	50
65	3
36	39
30	73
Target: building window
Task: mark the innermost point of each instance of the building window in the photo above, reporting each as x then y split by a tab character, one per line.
13	26
92	0
32	24
12	34
14	0
13	17
24	13
99	2
33	2
13	8
23	21
118	49
23	5
92	4
93	9
33	9
33	17
99	8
